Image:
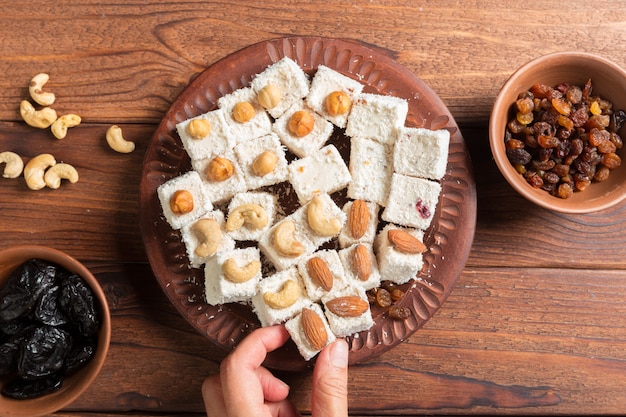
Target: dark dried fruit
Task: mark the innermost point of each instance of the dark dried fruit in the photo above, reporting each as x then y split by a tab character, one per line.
568	135
24	287
9	355
518	156
21	389
48	310
77	302
80	355
399	313
396	294
44	352
611	160
48	328
383	298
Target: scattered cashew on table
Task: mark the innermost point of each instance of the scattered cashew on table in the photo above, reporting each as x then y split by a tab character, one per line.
42	170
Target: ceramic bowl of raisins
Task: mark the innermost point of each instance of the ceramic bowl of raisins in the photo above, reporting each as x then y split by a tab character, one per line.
556	132
55	330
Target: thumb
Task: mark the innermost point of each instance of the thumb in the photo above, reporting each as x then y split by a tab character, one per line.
330	381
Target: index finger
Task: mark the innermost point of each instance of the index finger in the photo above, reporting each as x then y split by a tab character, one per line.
253	350
242	388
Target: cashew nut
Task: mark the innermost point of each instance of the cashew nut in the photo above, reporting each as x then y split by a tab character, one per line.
35	88
116	140
41	119
252	215
209	236
56	173
287	296
60	125
285	241
235	273
35	168
321	224
14	164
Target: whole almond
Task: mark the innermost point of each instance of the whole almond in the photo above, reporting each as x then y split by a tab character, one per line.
405	242
313	328
320	273
361	262
359	218
347	306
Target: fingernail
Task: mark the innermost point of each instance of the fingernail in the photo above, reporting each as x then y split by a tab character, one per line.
339	354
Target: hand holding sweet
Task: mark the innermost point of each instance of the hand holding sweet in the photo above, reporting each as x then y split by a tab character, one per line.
245	388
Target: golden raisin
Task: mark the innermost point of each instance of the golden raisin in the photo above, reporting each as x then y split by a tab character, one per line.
396	294
547	142
514	144
611	160
561	106
566	122
525	105
602	174
565	190
524	118
595	108
383	298
399	313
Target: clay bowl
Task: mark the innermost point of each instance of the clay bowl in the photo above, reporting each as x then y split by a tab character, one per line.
76	383
575	68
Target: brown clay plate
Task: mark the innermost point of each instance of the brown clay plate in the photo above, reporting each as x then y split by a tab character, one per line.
449	238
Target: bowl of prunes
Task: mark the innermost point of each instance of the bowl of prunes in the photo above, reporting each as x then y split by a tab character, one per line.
55	330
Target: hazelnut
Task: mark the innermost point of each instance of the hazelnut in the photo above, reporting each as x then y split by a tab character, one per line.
243	112
269	96
301	123
198	128
264	163
338	103
181	202
220	169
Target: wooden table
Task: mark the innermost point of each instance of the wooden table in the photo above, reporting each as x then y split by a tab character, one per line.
536	323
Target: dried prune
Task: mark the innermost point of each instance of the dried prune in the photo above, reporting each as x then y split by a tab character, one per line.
51	328
80	354
77	301
9	354
24	287
16	326
48	310
20	388
44	352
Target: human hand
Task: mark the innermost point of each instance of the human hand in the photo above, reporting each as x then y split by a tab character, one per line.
244	388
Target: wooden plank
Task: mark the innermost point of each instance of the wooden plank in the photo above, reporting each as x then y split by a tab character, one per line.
139	57
95	218
512	340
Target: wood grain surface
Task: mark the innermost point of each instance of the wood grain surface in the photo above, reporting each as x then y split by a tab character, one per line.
536	324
